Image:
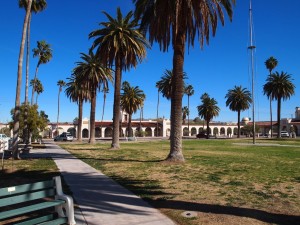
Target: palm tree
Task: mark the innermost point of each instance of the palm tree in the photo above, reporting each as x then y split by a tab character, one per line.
208	110
238	99
60	85
177	23
76	92
38	89
185	113
132	99
19	82
93	75
164	85
271	63
44	53
189	91
120	43
279	86
36	7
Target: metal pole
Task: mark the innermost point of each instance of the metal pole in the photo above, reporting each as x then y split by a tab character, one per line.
252	47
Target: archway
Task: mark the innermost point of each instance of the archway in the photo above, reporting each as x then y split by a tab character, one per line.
85	133
235	131
229	131
148	132
185	131
216	131
193	131
157	134
72	130
222	131
108	132
97	132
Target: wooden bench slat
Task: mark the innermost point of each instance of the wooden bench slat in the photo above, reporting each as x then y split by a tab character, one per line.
26	197
25	187
30	208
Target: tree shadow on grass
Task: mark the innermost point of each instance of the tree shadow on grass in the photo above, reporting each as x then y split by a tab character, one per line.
264	216
152	191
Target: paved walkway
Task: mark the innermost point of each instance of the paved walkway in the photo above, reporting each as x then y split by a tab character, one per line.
101	200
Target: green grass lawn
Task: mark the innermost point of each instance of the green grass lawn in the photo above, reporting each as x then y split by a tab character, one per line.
222	180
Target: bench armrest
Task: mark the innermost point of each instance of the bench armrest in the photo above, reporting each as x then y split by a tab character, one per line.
68	206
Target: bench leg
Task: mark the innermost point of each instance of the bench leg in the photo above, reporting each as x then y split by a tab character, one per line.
68	206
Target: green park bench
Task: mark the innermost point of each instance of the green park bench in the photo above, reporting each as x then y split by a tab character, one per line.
36	203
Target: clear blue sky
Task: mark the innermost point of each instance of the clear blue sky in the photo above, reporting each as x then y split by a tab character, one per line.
214	69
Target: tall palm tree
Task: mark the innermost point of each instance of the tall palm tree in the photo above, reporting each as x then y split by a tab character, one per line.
60	85
132	98
19	83
189	91
185	113
271	63
238	99
76	92
93	75
279	86
208	110
36	7
121	44
44	53
177	23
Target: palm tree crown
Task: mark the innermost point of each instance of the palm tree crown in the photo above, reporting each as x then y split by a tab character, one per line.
164	85
279	86
271	63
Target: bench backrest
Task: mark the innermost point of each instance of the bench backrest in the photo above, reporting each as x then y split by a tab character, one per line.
27	192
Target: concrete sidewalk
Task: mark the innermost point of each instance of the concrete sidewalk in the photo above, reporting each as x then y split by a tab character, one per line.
101	200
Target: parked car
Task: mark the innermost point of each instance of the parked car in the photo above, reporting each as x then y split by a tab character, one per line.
201	135
284	134
65	136
5	139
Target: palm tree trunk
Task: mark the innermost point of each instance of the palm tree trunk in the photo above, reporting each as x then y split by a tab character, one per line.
33	87
157	113
239	125
80	104
116	114
57	110
19	83
104	100
130	133
92	117
271	117
207	129
175	154
189	115
278	116
25	129
27	60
